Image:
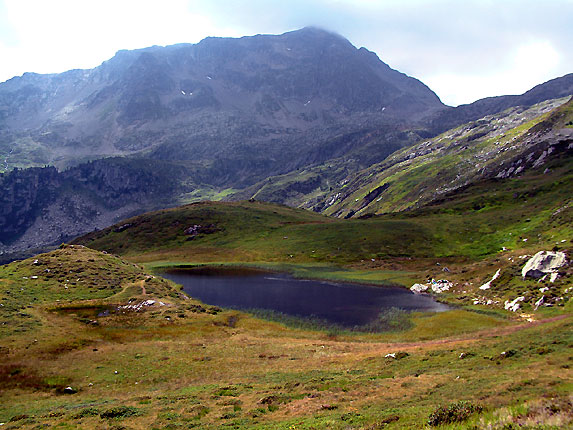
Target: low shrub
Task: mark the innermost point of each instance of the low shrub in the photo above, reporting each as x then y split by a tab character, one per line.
453	413
120	412
87	412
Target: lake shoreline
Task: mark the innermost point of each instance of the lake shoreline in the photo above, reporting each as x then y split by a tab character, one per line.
342	303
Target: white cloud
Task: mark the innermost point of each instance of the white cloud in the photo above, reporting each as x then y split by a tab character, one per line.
530	64
462	50
58	35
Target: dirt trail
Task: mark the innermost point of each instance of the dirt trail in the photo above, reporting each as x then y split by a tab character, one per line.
143	290
480	335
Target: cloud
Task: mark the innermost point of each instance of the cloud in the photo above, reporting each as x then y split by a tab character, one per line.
540	59
462	50
57	35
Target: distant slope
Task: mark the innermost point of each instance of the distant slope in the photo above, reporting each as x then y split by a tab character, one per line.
415	175
496	146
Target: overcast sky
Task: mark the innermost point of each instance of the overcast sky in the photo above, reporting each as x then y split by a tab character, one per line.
462	49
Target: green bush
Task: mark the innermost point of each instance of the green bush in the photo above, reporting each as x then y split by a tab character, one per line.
120	412
453	413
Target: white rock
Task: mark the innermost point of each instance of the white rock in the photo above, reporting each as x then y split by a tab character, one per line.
419	288
553	277
487	285
542	263
441	286
539	302
391	355
438	286
513	305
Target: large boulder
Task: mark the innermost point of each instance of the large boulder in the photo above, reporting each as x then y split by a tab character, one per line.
542	263
419	288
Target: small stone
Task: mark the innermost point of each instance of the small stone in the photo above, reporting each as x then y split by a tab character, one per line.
513	305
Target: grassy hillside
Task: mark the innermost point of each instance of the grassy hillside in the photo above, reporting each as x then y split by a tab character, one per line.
475	151
92	341
475	222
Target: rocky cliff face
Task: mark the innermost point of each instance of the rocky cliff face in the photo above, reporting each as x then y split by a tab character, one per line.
41	206
24	193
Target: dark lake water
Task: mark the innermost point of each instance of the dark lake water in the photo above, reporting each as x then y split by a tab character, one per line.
341	303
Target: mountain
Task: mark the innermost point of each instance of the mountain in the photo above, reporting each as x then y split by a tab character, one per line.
303	118
229	105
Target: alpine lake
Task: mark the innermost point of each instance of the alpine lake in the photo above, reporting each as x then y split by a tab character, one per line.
343	304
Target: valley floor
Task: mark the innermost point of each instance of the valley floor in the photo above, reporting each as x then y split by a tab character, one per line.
112	346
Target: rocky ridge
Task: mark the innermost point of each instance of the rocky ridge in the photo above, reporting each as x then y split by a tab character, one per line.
496	146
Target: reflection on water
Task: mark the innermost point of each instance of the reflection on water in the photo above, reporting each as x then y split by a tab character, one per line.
340	303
